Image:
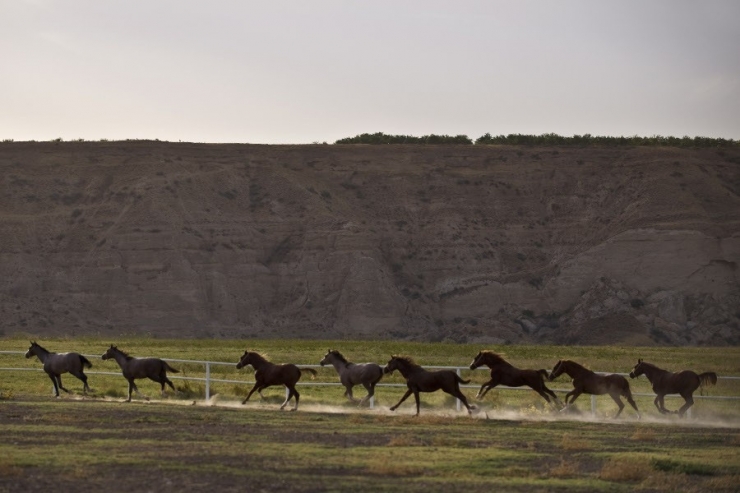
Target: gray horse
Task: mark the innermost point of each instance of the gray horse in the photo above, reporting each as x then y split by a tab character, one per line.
350	374
134	368
57	363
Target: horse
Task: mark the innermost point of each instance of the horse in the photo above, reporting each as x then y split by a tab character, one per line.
57	363
586	381
420	380
350	374
664	382
135	368
504	373
267	374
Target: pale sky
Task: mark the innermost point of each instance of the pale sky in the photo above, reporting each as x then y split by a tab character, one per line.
305	71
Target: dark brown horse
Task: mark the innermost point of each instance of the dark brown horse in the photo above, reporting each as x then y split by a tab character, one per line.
57	363
267	374
135	368
664	382
504	373
420	380
588	382
351	374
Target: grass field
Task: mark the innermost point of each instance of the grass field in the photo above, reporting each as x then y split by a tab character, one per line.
182	443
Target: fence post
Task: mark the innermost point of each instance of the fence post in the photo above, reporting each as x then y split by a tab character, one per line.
208	380
458	400
372	402
593	405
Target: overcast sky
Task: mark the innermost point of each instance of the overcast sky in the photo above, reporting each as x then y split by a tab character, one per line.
305	71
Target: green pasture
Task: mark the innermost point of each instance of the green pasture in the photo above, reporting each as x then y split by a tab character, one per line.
723	361
160	446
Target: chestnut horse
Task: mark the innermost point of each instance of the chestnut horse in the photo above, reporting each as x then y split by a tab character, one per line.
586	381
420	380
504	373
267	374
664	382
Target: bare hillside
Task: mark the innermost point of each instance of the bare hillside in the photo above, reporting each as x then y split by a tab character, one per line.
486	244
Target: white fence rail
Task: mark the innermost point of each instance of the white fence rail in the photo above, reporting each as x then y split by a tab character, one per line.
208	379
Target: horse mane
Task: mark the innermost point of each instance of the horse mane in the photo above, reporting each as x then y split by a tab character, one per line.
124	353
407	359
496	356
34	343
649	365
259	356
340	356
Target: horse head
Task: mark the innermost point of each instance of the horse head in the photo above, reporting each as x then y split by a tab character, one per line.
30	353
110	353
477	361
243	361
392	365
325	361
557	370
638	370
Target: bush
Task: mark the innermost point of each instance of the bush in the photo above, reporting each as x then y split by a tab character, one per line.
588	139
381	138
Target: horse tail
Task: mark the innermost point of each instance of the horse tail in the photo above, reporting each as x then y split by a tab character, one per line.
460	380
86	362
169	368
708	378
311	371
545	375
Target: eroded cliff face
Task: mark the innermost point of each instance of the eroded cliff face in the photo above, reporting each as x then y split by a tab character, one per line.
466	243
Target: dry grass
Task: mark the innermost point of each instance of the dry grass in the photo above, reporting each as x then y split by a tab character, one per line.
405	441
572	442
626	469
566	469
723	483
644	434
388	466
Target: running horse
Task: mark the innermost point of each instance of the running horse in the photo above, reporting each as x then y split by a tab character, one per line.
134	368
504	373
588	382
420	380
267	374
57	363
351	374
664	382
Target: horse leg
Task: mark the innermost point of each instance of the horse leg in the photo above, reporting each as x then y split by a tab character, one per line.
689	398
59	379
348	393
405	396
485	388
370	392
81	376
463	399
553	395
54	382
632	403
131	387
256	387
619	402
291	392
662	408
416	396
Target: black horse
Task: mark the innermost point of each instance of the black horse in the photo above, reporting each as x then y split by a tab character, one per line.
420	380
664	382
135	368
57	363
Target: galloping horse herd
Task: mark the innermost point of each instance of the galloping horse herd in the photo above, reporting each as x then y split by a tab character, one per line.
417	378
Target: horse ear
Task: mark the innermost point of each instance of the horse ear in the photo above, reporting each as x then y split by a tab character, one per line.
639	361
